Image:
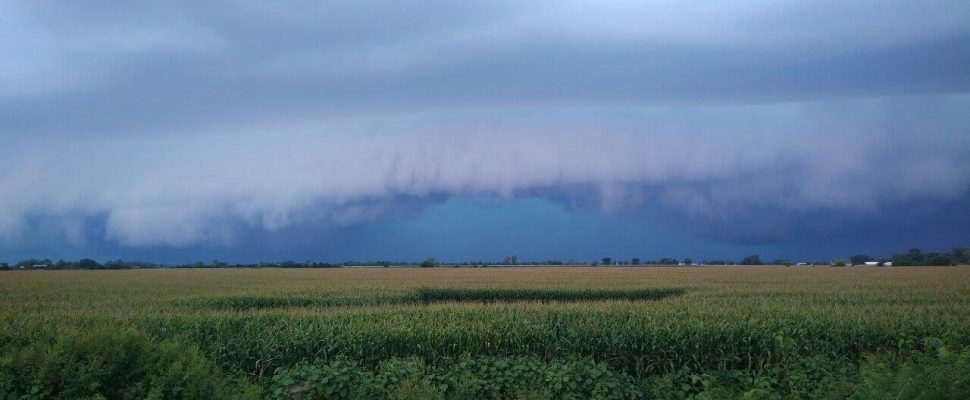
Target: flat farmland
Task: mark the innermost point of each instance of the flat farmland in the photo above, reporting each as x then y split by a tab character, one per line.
622	332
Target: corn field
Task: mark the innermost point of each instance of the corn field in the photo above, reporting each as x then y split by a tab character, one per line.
649	326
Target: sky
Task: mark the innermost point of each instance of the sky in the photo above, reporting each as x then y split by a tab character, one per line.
176	131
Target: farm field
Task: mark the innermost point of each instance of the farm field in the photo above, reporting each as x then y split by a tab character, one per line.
536	333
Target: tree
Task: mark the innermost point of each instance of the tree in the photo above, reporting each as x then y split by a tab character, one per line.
88	263
635	261
937	260
753	259
782	261
960	255
607	261
688	261
913	257
116	264
427	263
4	266
860	259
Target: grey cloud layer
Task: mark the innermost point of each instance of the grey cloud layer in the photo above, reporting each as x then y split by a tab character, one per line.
179	123
709	162
144	67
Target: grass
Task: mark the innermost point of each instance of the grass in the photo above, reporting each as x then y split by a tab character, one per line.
675	332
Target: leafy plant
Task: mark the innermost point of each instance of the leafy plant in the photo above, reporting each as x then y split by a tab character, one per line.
113	365
938	372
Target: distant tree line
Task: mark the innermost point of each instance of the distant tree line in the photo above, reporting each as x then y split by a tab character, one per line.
916	257
959	255
913	257
87	263
84	263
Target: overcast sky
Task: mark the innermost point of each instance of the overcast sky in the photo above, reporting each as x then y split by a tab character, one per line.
249	130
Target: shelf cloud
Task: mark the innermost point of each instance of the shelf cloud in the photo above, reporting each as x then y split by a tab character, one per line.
707	162
180	124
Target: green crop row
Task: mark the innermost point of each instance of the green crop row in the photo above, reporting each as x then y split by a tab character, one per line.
125	364
430	295
491	295
630	342
638	341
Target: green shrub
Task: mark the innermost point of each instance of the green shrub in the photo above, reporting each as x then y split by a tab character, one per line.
813	377
335	380
113	365
468	378
939	372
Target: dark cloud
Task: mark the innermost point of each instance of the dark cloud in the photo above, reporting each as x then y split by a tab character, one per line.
160	67
182	124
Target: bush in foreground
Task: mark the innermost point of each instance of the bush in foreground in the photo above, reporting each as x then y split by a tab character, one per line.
940	372
113	365
468	378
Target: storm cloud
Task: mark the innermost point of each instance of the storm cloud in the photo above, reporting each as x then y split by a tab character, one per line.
177	124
